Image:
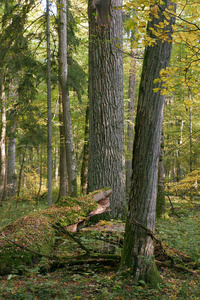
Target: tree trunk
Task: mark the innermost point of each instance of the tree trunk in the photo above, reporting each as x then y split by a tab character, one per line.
40	168
138	248
20	172
3	140
179	166
56	165
160	204
84	167
63	162
106	166
130	127
49	153
70	158
11	176
191	151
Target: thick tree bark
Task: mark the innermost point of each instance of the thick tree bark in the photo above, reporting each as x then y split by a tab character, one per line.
138	248
106	166
3	140
70	157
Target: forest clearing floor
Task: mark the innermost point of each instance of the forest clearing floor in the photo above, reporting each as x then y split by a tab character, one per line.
179	232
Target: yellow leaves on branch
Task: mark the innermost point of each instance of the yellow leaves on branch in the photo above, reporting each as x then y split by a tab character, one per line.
162	81
154	11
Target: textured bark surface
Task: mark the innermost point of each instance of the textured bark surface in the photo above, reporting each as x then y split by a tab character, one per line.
138	248
106	119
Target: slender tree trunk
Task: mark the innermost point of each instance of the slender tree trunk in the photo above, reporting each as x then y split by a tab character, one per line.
56	164
130	127
63	162
11	176
179	167
20	173
70	158
40	151
191	154
3	140
160	204
84	167
138	249
106	166
49	153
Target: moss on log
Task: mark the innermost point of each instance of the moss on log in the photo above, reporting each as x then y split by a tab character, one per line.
24	242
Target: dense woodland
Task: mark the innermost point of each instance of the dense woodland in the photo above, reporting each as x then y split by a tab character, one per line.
100	97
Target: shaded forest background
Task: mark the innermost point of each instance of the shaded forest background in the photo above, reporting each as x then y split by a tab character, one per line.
23	84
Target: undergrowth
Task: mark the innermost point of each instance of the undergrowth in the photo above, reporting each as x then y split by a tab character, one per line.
179	233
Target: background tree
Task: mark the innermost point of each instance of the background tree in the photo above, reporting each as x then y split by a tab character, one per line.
70	158
49	140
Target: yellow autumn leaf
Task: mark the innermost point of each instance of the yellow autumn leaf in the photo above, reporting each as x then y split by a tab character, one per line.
156	90
156	80
164	92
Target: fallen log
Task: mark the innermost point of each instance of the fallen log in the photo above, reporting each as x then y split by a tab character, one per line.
27	240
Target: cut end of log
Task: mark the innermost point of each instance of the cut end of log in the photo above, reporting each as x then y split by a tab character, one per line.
103	200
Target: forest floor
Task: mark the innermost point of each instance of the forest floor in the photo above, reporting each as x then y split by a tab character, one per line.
179	231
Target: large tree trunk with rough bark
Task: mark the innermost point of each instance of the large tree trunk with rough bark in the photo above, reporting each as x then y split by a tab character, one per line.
70	157
106	165
138	249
